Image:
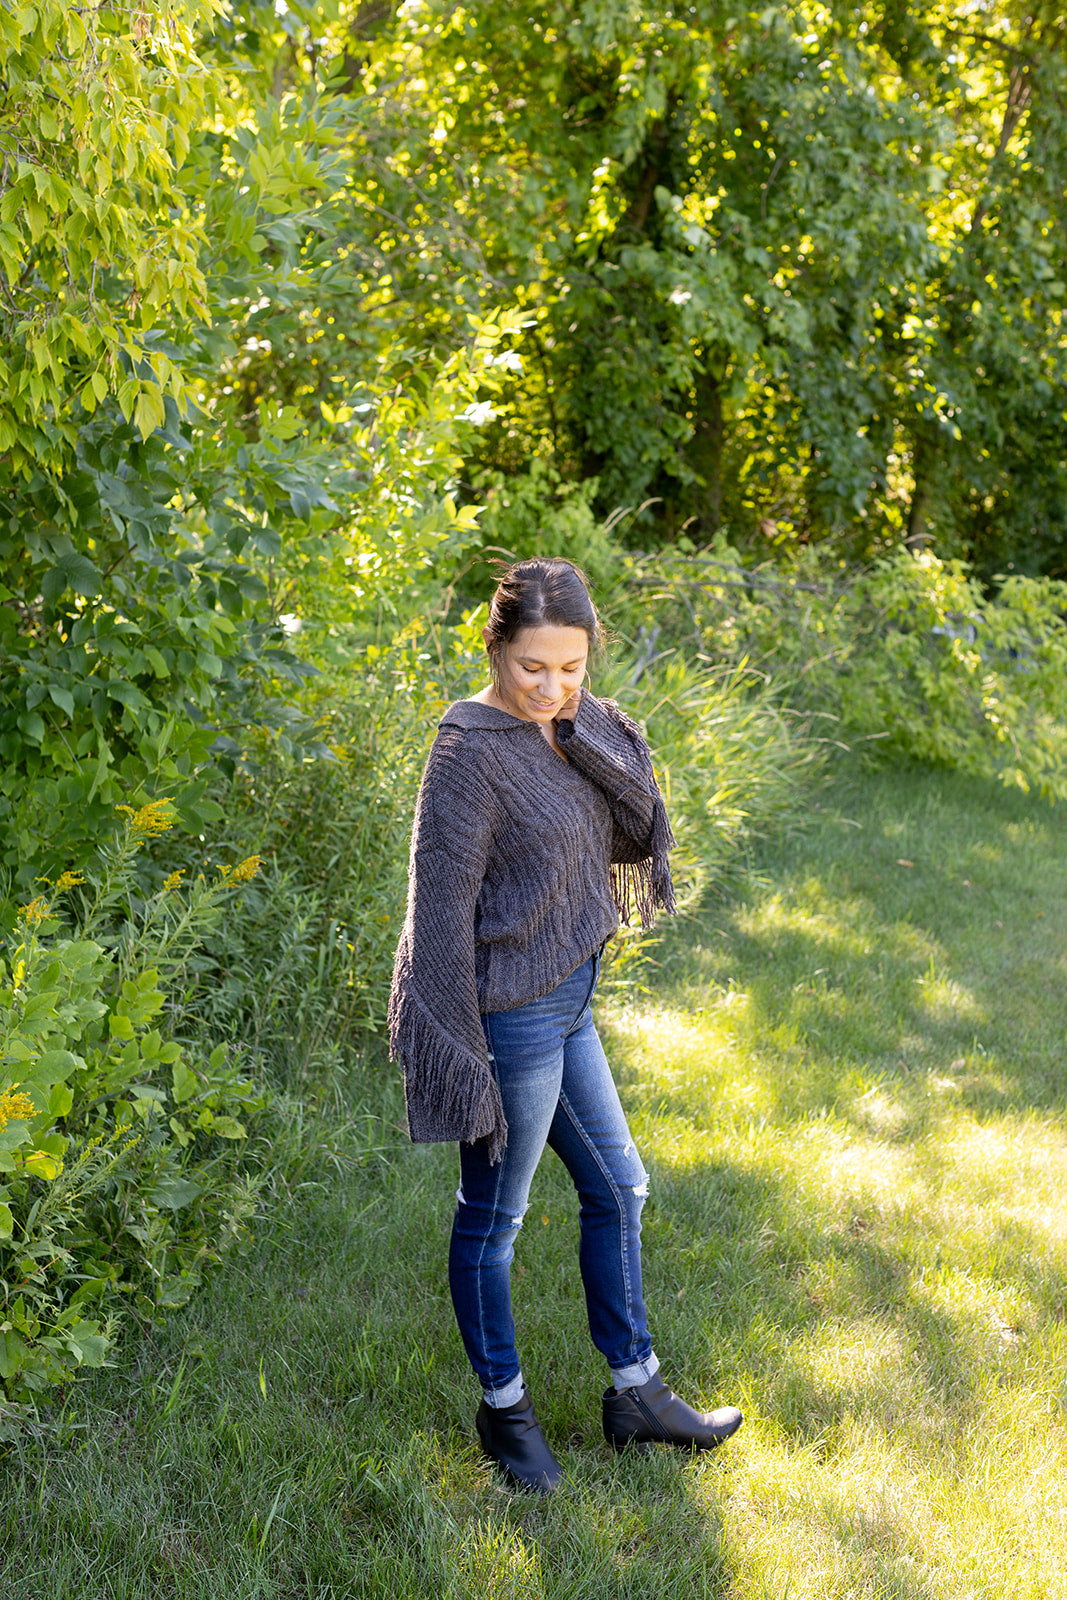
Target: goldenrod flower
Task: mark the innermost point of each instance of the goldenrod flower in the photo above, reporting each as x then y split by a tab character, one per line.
14	1106
37	910
173	879
67	880
246	870
154	818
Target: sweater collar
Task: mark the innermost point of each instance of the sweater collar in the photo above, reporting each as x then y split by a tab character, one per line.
474	714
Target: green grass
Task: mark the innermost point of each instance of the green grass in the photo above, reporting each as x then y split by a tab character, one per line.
848	1081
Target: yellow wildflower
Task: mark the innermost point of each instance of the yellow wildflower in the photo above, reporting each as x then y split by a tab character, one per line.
246	870
14	1106
68	880
37	910
154	818
173	879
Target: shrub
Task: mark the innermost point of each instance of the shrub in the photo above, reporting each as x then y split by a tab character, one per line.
910	652
120	1172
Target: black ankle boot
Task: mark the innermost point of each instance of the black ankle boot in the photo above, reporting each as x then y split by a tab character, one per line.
651	1414
512	1436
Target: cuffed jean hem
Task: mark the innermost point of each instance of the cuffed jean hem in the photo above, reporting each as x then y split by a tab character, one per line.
508	1395
636	1373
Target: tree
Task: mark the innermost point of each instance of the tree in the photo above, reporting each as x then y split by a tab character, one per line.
754	247
157	514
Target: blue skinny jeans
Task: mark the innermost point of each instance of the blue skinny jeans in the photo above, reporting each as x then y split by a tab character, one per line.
557	1089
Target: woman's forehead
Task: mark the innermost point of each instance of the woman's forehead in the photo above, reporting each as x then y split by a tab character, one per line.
551	643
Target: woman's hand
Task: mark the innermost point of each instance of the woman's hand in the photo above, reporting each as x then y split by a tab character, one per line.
569	709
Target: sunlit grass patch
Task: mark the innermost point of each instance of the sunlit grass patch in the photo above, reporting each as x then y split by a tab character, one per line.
1021	1160
846	926
880	1112
883	1259
869	1517
814	1524
947	1000
686	1061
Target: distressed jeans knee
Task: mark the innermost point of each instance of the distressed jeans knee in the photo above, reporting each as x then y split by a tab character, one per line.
493	1230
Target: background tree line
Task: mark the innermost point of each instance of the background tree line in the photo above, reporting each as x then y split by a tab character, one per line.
797	273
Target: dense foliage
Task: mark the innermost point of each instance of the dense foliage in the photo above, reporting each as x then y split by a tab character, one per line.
118	1179
910	653
155	522
797	272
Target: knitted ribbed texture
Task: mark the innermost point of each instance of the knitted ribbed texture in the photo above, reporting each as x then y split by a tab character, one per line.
521	864
612	752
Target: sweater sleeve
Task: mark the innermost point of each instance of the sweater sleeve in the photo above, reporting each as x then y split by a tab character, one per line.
435	1029
609	749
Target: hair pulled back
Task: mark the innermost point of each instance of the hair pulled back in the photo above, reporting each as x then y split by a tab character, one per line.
545	591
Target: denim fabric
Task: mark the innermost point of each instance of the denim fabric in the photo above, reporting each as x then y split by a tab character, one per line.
556	1088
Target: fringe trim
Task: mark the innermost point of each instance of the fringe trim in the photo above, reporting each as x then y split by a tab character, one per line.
647	885
450	1093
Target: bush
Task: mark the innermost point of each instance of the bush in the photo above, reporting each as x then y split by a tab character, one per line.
307	967
120	1167
910	652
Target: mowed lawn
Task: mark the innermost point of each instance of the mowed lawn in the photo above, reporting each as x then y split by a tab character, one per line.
847	1078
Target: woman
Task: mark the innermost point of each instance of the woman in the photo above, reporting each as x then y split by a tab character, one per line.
538	824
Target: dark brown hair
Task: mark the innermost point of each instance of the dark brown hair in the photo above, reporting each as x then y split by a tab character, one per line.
545	591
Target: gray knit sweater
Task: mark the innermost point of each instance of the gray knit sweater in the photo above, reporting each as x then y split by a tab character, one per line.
521	864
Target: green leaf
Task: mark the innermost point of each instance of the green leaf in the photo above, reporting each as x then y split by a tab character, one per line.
150	412
60	1100
62	698
228	1128
126	694
88	1346
174	1192
185	1082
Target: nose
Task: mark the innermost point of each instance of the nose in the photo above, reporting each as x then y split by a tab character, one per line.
549	685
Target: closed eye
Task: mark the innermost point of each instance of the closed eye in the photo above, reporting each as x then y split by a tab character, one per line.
536	666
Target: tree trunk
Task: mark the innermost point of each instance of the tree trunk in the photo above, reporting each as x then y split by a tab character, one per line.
707	448
915	534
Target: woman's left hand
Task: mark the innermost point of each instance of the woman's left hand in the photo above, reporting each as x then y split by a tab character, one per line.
569	709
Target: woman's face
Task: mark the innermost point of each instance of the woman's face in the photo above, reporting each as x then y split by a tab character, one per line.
540	669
